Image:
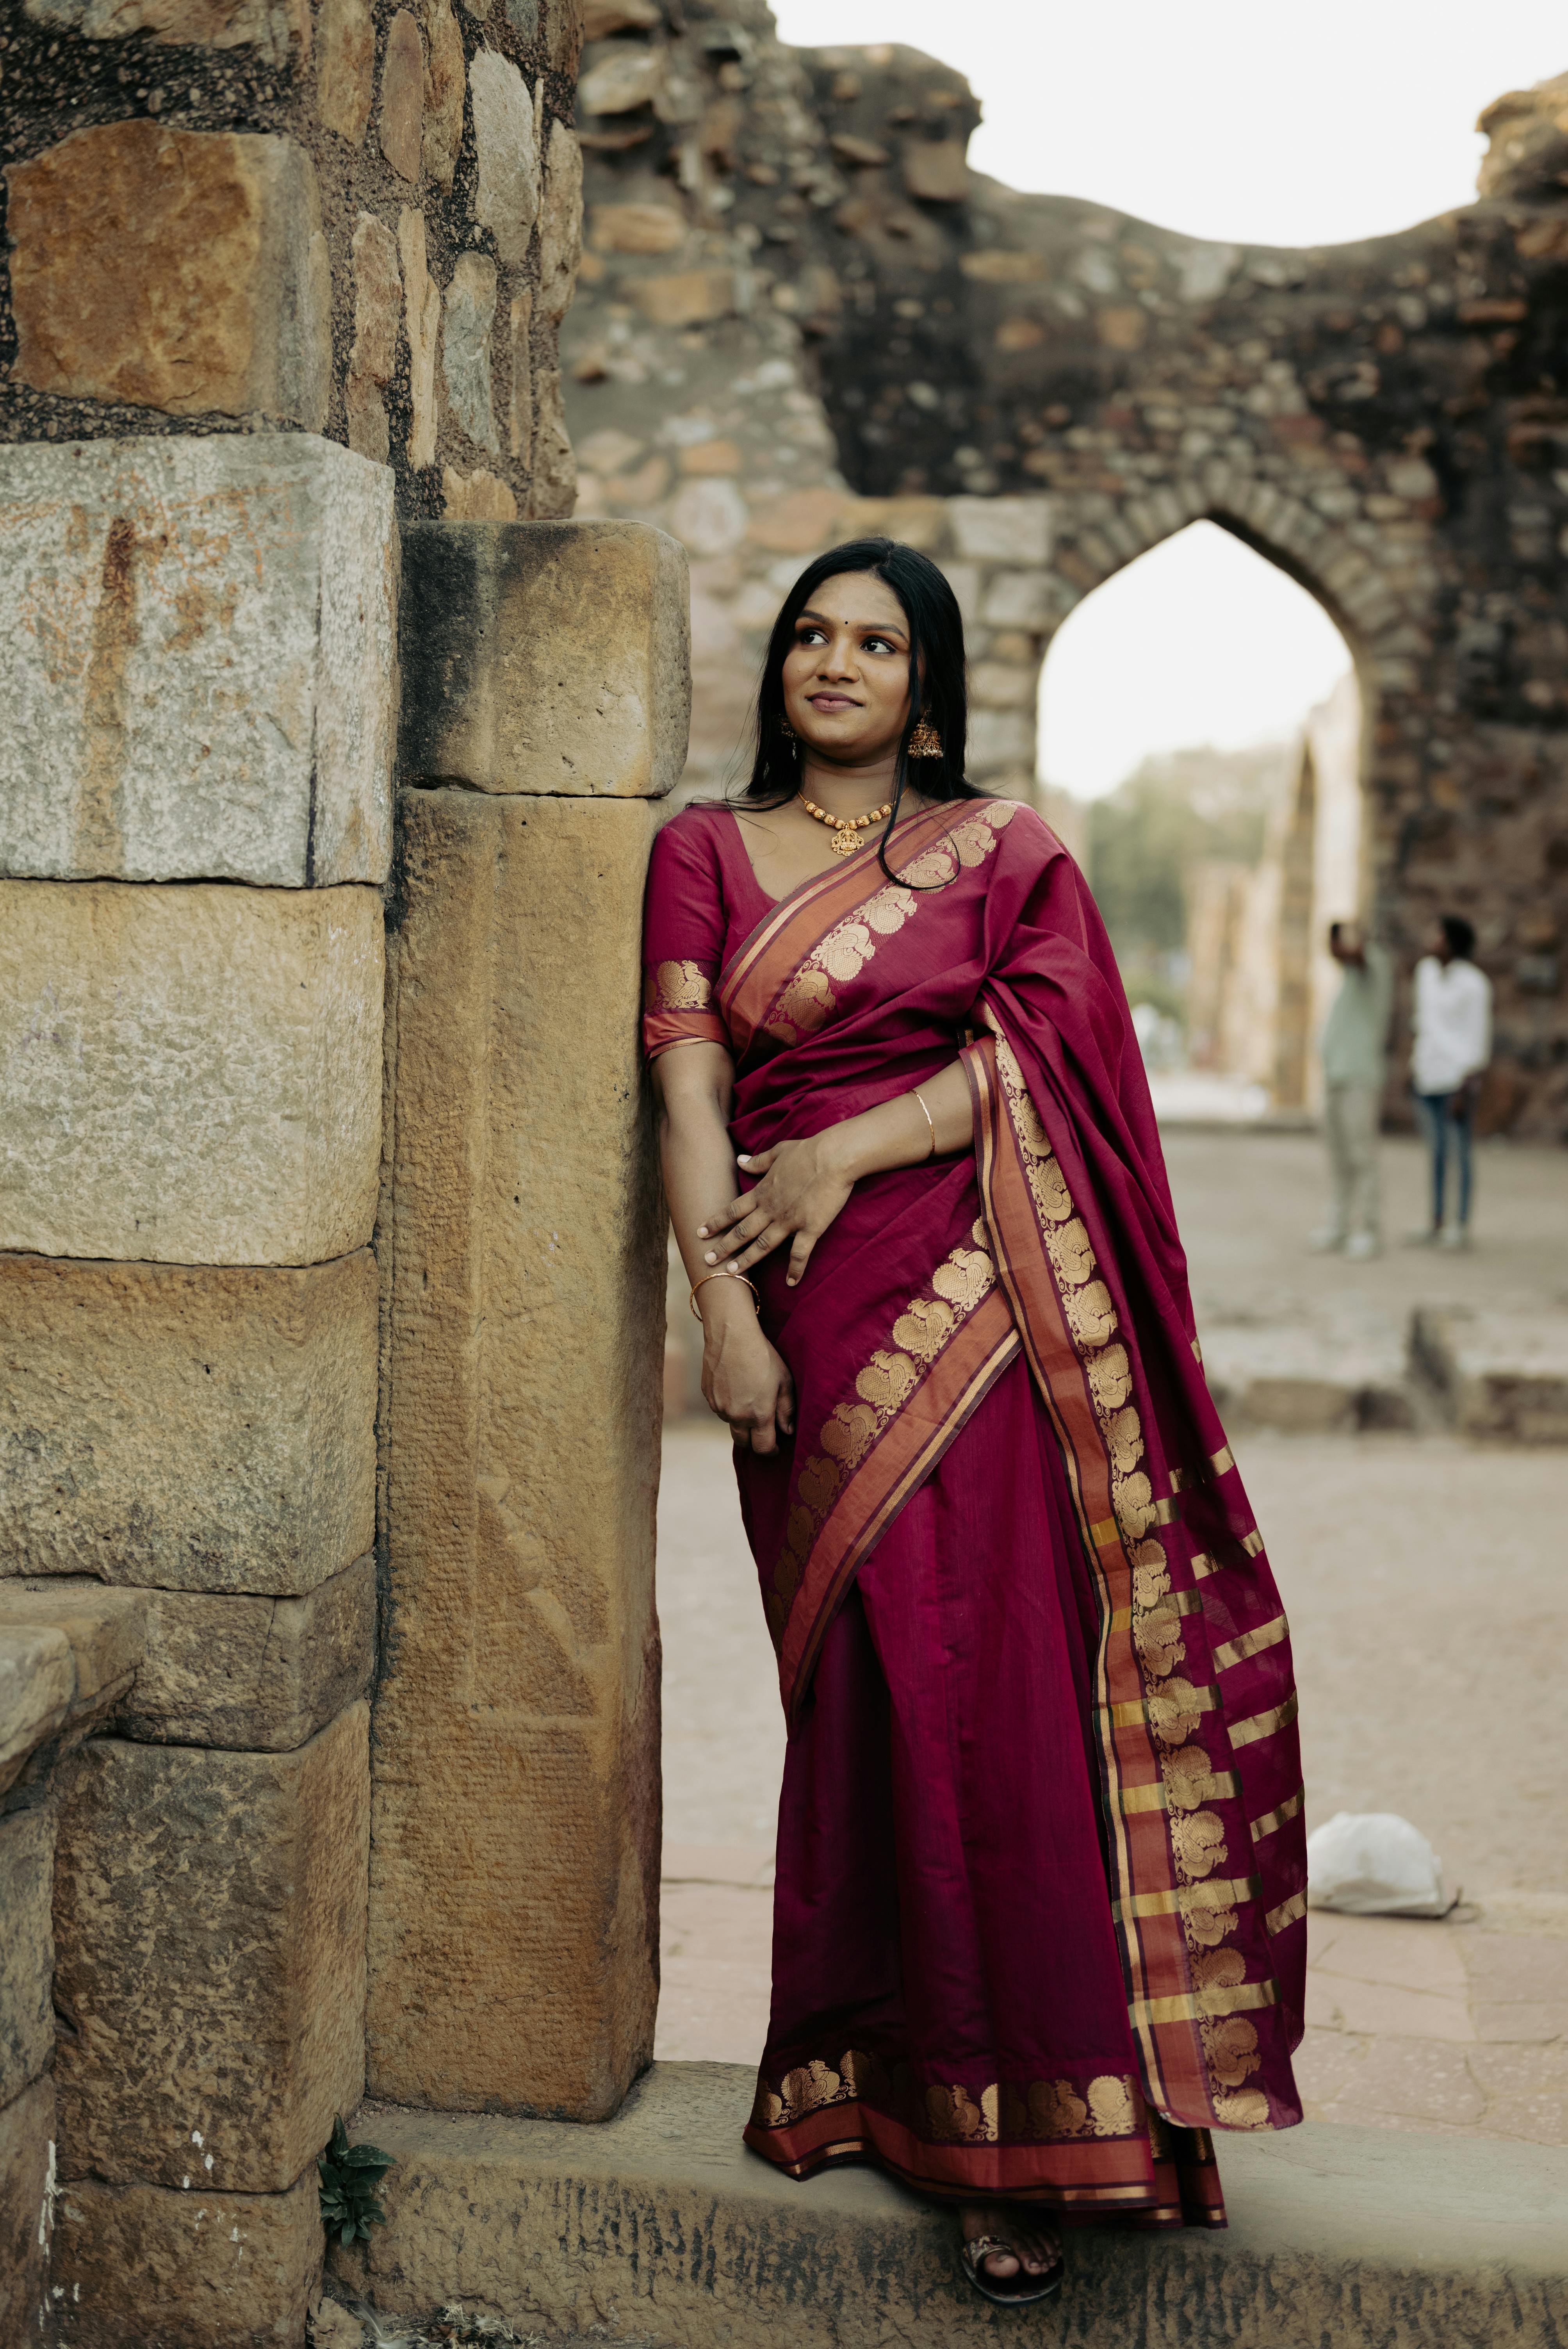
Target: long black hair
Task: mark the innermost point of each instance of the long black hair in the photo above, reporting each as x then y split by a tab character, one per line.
936	680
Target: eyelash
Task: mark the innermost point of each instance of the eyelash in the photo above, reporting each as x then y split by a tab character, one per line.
807	635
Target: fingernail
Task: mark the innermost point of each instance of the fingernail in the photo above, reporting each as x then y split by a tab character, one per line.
743	1157
702	1231
710	1257
790	1282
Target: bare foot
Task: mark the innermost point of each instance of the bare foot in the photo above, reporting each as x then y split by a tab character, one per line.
1035	2246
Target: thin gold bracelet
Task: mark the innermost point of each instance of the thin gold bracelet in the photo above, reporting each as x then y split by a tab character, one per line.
696	1309
932	1123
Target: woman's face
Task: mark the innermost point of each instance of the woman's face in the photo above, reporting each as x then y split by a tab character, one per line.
846	677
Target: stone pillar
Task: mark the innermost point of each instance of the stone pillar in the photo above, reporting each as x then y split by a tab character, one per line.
197	828
513	1935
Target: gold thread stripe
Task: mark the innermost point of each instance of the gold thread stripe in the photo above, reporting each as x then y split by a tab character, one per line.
1185	1602
1197	1353
1252	1543
1183	1899
1285	1914
1204	1564
1222	1461
1148	1708
1263	1724
1224	1787
1106	1534
1167	1512
1276	1819
1250	1644
1177	1479
1191	2006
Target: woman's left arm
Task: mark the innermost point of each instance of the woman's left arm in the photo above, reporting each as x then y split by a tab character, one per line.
804	1185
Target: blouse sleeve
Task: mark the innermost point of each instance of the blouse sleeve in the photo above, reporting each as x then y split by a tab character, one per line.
683	941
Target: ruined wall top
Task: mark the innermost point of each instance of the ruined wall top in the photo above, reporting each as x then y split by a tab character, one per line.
353	219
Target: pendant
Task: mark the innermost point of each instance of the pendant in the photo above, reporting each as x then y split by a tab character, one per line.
845	843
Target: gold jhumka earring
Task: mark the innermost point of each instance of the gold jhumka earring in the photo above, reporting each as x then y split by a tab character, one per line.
785	729
926	742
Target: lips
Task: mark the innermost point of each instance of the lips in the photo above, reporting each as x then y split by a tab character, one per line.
833	701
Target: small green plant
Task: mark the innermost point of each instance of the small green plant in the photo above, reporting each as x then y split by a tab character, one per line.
350	2175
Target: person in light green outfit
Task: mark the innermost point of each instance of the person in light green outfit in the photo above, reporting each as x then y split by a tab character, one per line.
1354	1066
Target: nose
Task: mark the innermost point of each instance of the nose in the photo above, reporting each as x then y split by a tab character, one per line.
838	659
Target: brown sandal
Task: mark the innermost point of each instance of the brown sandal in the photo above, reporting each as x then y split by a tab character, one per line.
1009	2292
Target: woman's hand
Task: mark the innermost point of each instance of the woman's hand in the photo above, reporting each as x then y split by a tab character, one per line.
744	1380
804	1186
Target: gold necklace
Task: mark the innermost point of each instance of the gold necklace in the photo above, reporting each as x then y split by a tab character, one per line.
845	828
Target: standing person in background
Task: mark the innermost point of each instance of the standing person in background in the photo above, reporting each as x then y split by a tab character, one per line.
1452	1047
1355	1065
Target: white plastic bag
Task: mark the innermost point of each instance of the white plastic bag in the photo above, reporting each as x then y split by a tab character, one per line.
1374	1863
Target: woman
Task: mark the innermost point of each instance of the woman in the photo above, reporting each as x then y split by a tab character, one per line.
1040	1917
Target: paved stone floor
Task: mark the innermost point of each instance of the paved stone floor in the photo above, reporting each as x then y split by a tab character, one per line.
1423	1580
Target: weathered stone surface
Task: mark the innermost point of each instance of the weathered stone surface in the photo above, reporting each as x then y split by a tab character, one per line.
935	170
189	1075
422	319
465	348
27	2177
183	269
478	496
691	298
377	301
562	23
552	491
519	406
545	657
1363	2237
403	96
345	68
445	81
27	1951
105	1630
271	26
638	228
1001	530
561	224
200	667
187	1427
209	1957
621	80
506	196
38	1680
515	1899
261	1675
1501	1377
185	2270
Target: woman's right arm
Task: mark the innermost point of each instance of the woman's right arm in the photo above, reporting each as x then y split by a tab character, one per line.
744	1379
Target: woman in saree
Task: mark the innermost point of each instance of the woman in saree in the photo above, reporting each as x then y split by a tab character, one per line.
1040	1918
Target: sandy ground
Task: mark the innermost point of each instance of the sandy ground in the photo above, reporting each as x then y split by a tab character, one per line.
1422	1578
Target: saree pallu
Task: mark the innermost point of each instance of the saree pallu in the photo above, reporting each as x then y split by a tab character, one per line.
1040	1918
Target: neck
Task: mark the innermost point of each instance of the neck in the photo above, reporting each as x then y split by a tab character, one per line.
846	788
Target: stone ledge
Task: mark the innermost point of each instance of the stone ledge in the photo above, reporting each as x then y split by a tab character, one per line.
658	2225
1499	1377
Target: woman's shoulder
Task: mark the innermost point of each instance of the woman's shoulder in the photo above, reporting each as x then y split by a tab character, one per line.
694	836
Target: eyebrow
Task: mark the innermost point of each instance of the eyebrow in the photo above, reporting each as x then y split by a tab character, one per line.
869	628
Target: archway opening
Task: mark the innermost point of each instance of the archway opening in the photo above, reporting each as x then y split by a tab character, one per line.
1200	730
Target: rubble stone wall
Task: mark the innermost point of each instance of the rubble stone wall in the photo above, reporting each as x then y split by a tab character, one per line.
354	219
800	315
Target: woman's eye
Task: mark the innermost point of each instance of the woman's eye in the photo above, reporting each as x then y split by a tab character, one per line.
881	644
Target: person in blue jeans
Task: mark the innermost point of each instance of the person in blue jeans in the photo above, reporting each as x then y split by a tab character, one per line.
1452	1046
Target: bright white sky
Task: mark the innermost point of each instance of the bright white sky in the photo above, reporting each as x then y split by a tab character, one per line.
1235	119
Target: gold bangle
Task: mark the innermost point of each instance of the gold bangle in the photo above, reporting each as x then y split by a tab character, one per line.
696	1309
932	1123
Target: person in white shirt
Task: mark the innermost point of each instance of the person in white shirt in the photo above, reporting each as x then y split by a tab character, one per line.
1355	1065
1452	1046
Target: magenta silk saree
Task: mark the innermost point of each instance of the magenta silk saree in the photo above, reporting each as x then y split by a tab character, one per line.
1039	1924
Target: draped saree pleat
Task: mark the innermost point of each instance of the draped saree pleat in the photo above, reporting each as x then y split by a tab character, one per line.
1038	1927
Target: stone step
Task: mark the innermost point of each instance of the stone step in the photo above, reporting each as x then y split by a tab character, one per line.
1498	1376
659	2227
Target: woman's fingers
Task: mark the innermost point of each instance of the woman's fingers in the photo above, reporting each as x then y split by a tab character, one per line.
784	1408
800	1256
763	1245
762	1437
757	1161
